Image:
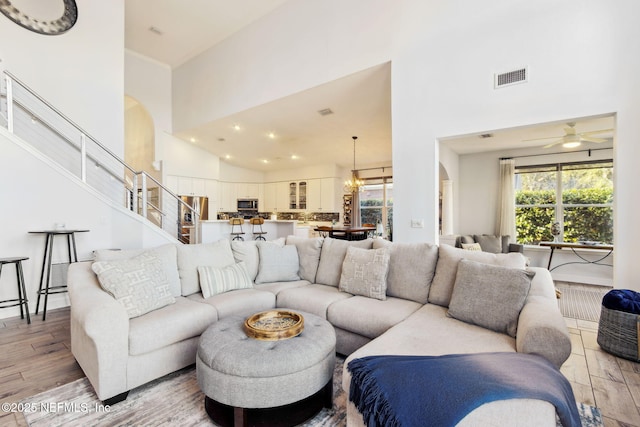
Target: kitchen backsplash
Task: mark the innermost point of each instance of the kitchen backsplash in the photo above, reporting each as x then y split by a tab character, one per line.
300	216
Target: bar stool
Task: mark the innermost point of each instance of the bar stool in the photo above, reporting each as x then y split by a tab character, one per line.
257	234
46	288
236	222
22	292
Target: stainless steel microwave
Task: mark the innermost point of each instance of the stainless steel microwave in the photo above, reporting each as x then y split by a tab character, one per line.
247	205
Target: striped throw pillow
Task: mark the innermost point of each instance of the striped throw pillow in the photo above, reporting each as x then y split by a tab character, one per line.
216	280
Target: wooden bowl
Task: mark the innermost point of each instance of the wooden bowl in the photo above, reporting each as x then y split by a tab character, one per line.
274	325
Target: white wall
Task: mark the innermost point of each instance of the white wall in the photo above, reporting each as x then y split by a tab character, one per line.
187	159
80	72
38	201
444	55
149	82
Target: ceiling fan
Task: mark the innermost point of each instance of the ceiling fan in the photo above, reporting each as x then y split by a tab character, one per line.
571	139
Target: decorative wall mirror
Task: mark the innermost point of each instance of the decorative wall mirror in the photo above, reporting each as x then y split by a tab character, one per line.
42	17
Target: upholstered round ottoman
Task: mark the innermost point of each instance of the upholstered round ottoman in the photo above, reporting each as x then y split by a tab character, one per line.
248	381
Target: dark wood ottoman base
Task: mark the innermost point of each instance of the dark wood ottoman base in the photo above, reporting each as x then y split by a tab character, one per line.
280	416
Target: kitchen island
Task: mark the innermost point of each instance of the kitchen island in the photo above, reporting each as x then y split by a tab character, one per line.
214	230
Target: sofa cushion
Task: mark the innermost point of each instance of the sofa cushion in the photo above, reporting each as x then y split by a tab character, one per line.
140	283
489	295
166	253
277	263
247	251
489	243
411	269
190	257
313	298
277	287
241	301
309	250
447	266
355	314
214	280
332	257
364	272
171	324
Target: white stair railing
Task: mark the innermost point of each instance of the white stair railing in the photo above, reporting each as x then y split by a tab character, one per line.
27	115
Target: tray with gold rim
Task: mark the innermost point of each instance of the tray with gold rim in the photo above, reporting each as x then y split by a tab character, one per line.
274	325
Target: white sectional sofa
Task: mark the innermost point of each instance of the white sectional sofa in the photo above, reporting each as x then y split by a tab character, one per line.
381	298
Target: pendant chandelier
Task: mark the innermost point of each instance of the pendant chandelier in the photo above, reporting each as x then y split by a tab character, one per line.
354	184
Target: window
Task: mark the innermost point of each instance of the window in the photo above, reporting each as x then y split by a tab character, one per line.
579	196
376	203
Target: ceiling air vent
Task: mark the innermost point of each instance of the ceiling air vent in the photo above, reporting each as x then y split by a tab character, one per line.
325	111
510	78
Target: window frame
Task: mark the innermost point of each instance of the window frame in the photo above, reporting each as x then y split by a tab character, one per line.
559	206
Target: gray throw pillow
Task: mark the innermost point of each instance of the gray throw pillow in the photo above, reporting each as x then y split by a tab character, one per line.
277	263
309	253
447	266
140	283
489	295
411	269
332	256
364	272
489	243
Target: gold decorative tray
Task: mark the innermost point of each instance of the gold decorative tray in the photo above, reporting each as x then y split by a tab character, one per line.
274	325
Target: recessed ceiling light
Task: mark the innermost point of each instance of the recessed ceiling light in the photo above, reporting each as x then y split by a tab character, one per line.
228	156
221	140
265	161
294	157
325	111
271	135
192	139
236	127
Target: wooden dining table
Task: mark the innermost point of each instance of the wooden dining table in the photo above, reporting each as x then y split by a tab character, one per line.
346	233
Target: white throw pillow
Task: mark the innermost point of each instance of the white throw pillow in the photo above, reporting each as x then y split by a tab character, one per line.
190	257
471	246
215	280
140	283
166	253
364	272
277	263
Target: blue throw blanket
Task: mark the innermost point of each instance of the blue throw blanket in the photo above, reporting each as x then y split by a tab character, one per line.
441	390
622	300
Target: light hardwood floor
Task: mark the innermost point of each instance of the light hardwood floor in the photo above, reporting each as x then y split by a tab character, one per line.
37	357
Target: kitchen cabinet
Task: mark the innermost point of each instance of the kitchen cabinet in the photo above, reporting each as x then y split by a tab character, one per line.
314	195
248	190
282	196
322	194
268	204
188	186
330	193
228	200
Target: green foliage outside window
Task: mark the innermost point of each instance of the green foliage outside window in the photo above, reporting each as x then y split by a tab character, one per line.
594	223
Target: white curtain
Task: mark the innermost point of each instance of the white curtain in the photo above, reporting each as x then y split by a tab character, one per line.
447	207
506	218
356	220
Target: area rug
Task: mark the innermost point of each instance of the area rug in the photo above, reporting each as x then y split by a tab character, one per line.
583	304
173	400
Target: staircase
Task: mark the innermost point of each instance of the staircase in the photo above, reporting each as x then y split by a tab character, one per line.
28	116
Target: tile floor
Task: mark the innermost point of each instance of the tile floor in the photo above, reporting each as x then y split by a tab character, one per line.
600	379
